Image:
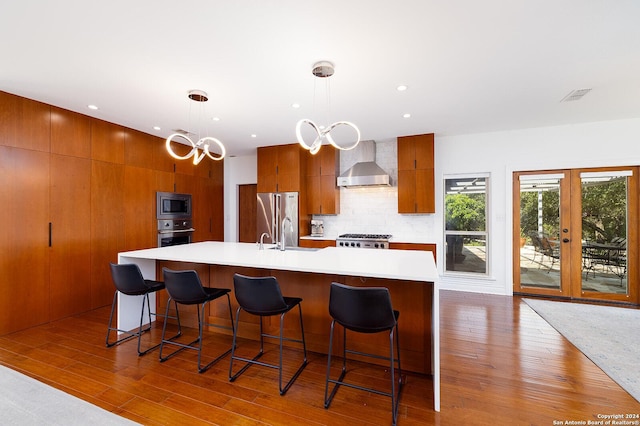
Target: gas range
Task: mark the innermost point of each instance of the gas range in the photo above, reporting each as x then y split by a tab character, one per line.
374	241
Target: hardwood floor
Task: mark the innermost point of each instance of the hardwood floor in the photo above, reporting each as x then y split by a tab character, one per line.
501	364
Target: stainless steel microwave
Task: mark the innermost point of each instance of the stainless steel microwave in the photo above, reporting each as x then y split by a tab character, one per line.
171	205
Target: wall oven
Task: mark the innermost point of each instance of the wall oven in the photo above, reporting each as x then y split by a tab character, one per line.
174	219
174	232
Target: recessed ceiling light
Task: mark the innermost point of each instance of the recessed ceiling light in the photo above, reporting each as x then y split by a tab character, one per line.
216	118
407	115
254	135
401	88
296	105
156	127
92	107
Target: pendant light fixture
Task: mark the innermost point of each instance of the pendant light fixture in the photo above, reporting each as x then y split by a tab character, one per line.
324	70
204	143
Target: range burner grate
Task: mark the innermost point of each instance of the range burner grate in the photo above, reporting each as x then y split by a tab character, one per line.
366	236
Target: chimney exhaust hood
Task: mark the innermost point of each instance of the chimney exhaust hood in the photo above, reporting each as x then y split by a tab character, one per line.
365	171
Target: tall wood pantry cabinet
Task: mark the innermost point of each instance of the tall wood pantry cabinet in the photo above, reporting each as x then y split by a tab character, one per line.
416	174
77	191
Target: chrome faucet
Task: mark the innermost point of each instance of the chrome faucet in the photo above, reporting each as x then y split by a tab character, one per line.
264	234
282	239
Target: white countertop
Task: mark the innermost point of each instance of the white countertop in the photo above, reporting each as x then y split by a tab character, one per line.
410	265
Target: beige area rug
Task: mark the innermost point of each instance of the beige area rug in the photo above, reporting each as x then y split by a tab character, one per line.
26	401
608	336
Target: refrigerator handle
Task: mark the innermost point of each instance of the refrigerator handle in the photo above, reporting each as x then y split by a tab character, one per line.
275	220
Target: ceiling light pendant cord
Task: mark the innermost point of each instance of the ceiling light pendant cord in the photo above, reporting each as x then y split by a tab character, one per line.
325	70
201	148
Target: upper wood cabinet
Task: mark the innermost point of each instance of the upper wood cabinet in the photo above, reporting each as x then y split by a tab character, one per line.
280	168
416	174
323	193
24	123
70	133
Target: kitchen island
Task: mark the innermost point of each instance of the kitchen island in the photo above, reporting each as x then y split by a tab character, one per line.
411	277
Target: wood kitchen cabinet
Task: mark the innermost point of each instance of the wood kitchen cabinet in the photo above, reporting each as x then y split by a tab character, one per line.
414	246
24	123
280	168
416	174
80	191
323	193
70	250
24	240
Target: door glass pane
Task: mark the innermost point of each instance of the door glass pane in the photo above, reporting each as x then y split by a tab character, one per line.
604	232
539	231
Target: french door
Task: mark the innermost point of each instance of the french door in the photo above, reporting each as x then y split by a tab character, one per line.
575	233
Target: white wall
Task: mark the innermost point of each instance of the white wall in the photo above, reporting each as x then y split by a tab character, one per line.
498	153
608	143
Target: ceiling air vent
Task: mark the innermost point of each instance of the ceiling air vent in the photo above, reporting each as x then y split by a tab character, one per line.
575	95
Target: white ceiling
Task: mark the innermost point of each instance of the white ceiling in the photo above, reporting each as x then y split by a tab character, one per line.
470	66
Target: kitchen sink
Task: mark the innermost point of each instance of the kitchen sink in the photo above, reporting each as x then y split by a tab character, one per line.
295	248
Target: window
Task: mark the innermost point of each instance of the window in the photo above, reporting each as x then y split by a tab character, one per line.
466	236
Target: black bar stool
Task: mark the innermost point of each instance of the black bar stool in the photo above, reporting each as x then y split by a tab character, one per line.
128	280
185	287
261	296
364	310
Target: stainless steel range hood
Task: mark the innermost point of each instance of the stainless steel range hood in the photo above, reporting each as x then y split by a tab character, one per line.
365	171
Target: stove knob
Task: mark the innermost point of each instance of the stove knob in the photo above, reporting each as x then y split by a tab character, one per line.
353	244
358	244
376	245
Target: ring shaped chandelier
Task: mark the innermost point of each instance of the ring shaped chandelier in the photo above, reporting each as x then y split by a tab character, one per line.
201	148
324	69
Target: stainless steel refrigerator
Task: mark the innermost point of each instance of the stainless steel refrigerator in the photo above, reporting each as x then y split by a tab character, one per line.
273	208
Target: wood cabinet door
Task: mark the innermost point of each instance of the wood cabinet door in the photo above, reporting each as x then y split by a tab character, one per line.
288	170
107	227
24	123
267	168
70	253
70	133
24	240
406	191
406	153
314	194
424	150
330	195
425	198
140	208
138	149
107	142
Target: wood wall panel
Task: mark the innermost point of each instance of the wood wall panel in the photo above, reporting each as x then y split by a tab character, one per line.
70	253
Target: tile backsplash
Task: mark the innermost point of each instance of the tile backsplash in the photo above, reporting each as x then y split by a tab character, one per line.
375	209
